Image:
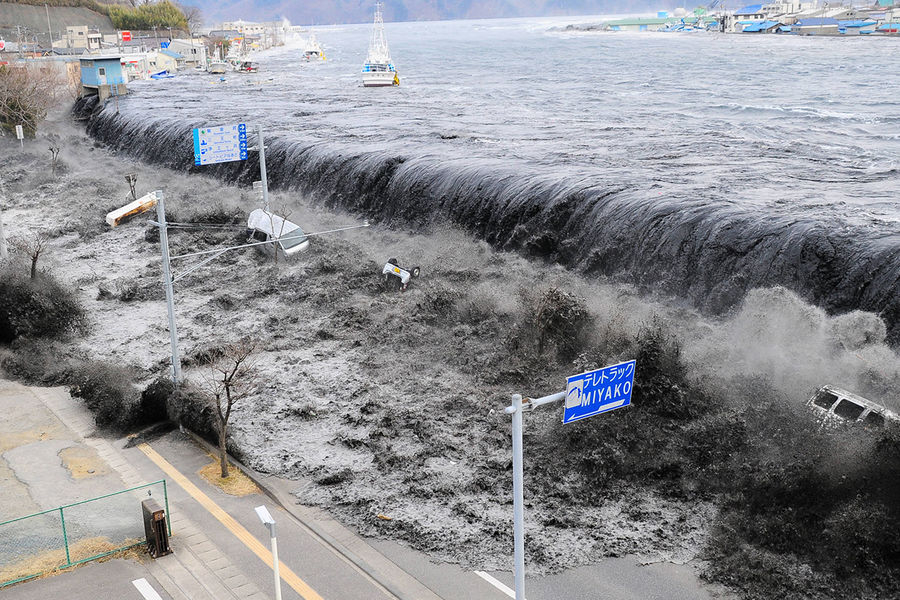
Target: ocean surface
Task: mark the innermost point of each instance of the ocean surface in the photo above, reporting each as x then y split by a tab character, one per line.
698	165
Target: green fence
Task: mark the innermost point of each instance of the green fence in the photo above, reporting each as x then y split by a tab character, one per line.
69	535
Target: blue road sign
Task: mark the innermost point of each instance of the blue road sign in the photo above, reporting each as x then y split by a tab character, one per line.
220	144
163	45
598	391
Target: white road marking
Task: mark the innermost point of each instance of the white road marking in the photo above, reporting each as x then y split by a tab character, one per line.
497	584
146	589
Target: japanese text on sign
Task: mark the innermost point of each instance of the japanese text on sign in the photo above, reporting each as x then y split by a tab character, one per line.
220	144
598	391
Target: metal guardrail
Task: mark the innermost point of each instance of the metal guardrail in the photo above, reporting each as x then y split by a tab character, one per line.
33	545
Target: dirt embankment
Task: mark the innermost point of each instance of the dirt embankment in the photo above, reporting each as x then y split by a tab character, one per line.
388	404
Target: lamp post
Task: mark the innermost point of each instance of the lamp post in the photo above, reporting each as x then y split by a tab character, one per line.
263	513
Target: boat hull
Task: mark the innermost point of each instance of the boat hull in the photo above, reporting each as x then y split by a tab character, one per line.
378	78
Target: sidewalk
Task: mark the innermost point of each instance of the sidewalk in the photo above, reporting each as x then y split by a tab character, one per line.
209	562
41	422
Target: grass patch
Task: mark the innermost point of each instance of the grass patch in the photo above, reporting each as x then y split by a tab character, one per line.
47	564
236	484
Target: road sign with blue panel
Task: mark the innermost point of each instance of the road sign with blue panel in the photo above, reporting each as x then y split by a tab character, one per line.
598	391
220	144
163	45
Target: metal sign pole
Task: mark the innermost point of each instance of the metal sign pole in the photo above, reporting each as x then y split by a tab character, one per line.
518	497
262	167
167	279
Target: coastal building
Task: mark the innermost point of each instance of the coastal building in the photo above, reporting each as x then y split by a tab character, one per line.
763	27
193	51
816	26
168	60
753	12
103	76
79	36
857	27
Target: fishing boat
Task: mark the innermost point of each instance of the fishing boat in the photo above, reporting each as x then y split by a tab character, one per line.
312	49
379	71
217	66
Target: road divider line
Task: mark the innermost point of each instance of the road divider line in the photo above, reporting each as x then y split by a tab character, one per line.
496	583
146	590
255	546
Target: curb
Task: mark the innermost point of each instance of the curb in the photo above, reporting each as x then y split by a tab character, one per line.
288	505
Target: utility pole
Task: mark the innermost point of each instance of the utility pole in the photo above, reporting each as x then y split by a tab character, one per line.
3	253
49	30
262	167
167	279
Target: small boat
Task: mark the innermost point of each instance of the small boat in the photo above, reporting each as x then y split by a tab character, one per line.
312	49
164	74
379	71
247	67
217	65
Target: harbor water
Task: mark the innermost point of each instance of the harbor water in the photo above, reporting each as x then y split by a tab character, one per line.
696	165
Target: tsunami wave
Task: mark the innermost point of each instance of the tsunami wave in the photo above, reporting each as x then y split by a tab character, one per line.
711	254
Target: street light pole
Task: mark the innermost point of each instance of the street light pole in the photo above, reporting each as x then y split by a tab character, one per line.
263	513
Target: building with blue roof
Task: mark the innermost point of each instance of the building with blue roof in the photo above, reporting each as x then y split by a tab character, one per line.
762	27
856	27
168	60
751	11
103	76
816	26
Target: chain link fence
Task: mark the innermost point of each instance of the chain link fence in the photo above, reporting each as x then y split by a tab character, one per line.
69	535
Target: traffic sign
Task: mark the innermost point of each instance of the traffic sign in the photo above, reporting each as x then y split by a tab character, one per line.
20	134
220	144
595	392
163	45
126	36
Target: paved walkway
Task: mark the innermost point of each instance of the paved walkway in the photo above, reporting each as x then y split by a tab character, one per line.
197	569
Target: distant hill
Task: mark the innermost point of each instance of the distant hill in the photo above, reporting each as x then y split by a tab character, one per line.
33	18
360	11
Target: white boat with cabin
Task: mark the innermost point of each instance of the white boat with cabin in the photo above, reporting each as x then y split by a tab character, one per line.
311	48
379	71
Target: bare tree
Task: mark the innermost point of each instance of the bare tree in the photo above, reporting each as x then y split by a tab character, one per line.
31	245
232	378
26	94
193	16
54	157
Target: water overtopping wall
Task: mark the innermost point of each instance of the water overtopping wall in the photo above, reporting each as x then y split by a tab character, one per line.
711	255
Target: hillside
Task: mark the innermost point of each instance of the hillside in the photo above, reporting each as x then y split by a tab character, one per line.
34	19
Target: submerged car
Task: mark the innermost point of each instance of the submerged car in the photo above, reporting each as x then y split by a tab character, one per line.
835	406
287	238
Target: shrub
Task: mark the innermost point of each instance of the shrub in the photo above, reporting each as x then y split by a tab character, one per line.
26	94
40	362
40	307
109	392
155	400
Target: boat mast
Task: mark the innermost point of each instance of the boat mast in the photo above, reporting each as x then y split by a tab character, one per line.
378	49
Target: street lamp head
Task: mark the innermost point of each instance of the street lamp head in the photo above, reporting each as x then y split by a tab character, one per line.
263	513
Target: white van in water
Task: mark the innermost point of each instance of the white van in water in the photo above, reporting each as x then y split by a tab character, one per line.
834	405
263	226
